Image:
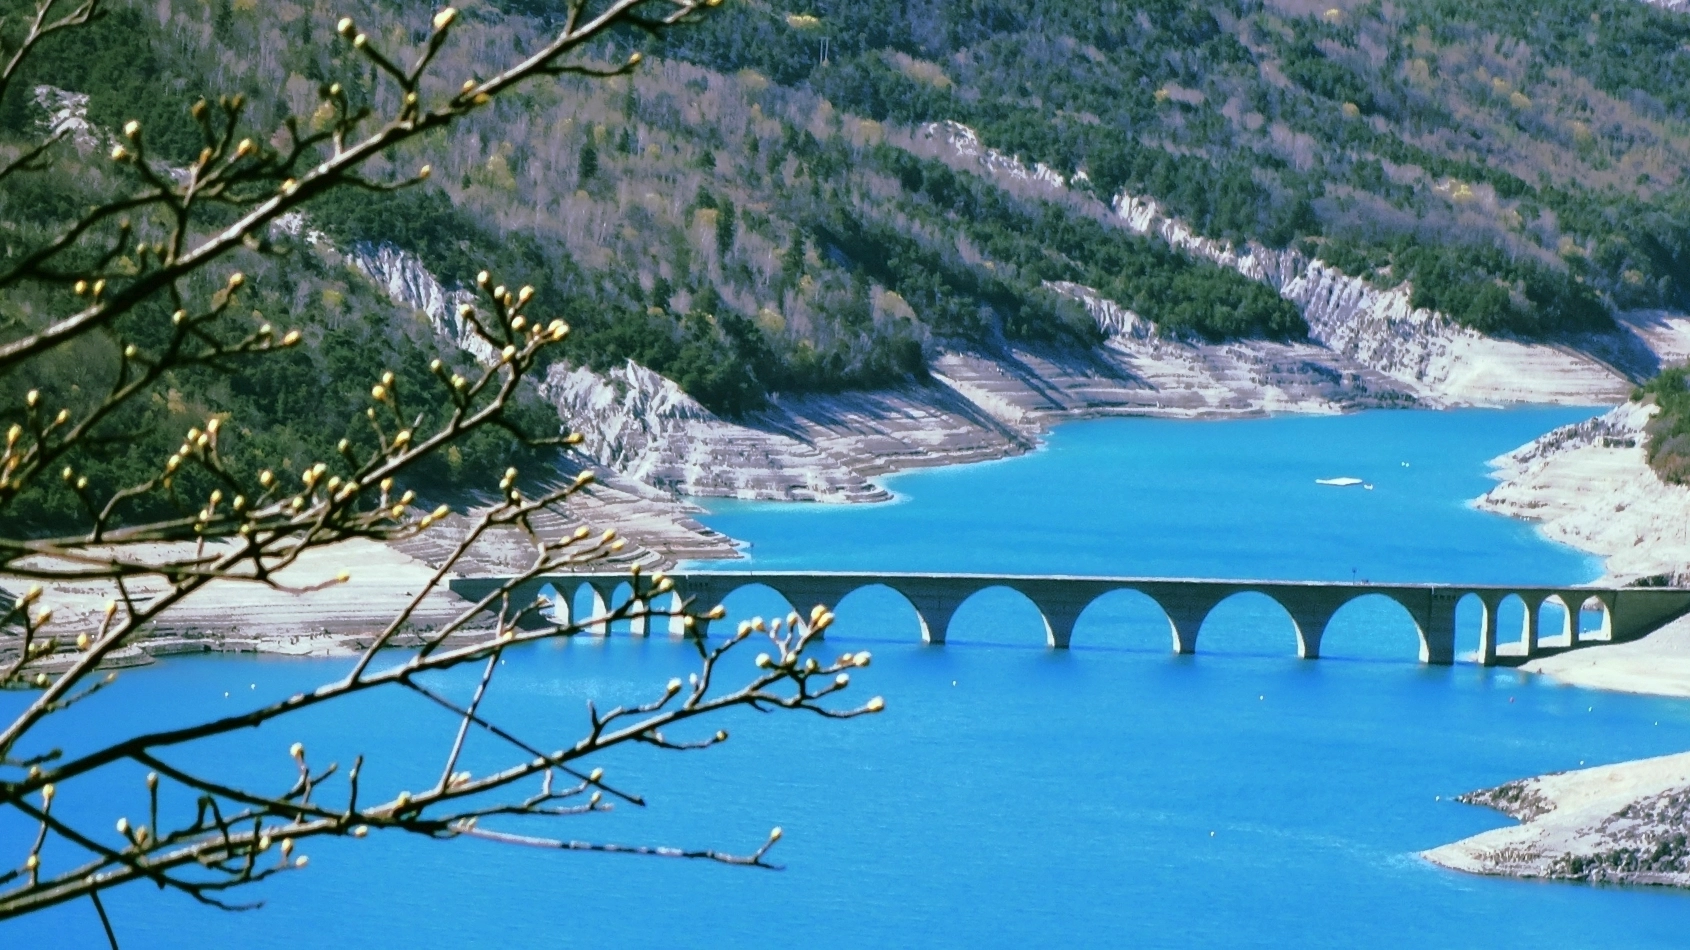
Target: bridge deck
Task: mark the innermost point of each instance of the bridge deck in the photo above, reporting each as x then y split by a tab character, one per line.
1628	612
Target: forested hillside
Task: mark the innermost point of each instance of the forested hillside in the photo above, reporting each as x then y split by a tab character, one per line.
744	216
1521	164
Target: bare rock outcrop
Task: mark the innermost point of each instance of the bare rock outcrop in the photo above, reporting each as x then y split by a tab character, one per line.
409	283
1445	363
1113	319
1439	361
67	115
1615	824
643	426
1589	485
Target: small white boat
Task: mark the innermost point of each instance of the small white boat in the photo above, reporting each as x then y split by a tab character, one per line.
1338	482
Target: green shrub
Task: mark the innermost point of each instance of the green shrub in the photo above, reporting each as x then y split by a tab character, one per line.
1668	448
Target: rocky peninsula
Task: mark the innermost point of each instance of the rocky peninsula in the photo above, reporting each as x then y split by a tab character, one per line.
1624	823
1615	824
1589	486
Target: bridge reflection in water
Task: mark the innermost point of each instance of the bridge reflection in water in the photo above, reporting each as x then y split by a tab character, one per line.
1625	613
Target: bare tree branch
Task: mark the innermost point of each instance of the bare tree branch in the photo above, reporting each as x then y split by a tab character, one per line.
252	531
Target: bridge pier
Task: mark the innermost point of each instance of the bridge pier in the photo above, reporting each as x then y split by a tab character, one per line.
1569	622
1606	633
1528	629
1311	627
935	613
601	606
1437	627
1311	614
1059	625
1184	624
1487	630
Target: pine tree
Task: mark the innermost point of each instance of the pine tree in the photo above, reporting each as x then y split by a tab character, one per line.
726	227
589	162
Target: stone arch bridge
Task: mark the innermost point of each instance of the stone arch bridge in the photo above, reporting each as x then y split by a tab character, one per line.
1628	613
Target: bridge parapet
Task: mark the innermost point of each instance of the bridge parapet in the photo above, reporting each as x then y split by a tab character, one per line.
1628	612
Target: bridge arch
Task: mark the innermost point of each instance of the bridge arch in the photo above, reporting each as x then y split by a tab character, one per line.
554	607
623	594
589	601
1354	629
1124	608
1474	621
659	619
1556	623
1514	624
1595	618
995	613
1249	616
1531	624
751	599
877	605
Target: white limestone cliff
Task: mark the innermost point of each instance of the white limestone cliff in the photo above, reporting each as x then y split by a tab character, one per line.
645	427
1441	362
67	115
1113	319
966	143
408	282
1446	363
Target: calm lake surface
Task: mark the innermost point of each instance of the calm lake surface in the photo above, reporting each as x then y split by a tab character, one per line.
1112	795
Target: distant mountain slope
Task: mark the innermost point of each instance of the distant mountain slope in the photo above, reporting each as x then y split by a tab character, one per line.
1177	197
1521	164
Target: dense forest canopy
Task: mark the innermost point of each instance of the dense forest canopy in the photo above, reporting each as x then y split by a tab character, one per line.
749	214
1520	164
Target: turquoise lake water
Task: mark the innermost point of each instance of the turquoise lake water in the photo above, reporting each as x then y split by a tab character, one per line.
1112	795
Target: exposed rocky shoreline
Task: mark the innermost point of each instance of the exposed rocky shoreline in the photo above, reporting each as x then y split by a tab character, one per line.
1589	486
1614	824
